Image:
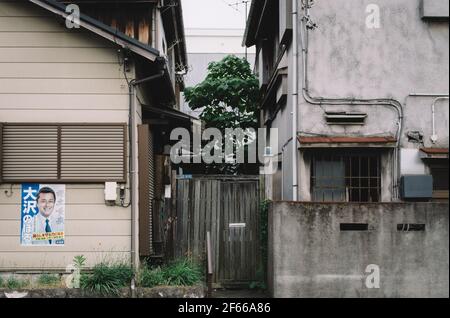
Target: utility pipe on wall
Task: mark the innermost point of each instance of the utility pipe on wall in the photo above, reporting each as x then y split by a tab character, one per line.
437	97
133	183
434	136
294	100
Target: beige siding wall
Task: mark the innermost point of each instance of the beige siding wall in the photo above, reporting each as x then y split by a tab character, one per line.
51	74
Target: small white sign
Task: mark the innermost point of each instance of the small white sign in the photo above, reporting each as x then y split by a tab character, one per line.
237	225
168	191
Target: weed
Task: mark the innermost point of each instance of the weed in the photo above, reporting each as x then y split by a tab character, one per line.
151	277
107	279
179	273
48	280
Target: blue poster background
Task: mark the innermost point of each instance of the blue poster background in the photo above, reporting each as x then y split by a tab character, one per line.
29	210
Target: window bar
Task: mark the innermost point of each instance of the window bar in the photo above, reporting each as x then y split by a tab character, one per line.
379	178
344	190
351	179
352	189
359	181
369	181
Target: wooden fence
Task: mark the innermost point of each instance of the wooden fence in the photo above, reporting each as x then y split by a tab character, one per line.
228	207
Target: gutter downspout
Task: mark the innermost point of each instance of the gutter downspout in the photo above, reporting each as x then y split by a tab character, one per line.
352	101
434	136
133	167
133	178
294	100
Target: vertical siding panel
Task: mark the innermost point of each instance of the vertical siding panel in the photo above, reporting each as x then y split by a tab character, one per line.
192	225
254	238
225	230
212	225
179	220
218	226
232	232
185	216
207	211
198	206
246	233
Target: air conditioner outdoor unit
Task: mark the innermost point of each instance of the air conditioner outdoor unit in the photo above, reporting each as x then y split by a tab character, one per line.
416	187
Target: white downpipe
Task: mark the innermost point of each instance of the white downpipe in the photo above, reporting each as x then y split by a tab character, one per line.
437	97
434	136
133	181
294	99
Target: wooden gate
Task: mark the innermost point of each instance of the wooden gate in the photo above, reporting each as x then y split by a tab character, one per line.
228	207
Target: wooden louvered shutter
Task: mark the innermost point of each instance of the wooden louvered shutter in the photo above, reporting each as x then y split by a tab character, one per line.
146	187
63	153
90	153
29	152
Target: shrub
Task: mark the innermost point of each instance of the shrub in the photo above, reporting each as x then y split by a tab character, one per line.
14	283
179	273
1	282
183	273
48	280
107	279
79	261
151	277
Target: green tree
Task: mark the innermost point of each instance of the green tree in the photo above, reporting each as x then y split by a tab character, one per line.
228	98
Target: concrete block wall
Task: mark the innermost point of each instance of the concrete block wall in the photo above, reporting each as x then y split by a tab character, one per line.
310	256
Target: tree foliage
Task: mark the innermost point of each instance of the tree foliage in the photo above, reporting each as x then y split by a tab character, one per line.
228	96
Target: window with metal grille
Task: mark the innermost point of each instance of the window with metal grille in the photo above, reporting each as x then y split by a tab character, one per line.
339	177
62	152
439	171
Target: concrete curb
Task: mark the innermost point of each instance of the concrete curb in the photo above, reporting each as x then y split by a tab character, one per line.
156	292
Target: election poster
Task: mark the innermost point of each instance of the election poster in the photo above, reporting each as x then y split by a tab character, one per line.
42	214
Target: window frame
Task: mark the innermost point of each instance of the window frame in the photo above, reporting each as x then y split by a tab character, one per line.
434	165
59	179
348	154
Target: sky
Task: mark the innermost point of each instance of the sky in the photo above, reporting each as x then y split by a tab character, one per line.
214	14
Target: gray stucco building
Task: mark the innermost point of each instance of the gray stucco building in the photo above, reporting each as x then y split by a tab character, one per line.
358	91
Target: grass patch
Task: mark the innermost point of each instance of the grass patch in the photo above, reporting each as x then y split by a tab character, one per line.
107	279
179	273
49	280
